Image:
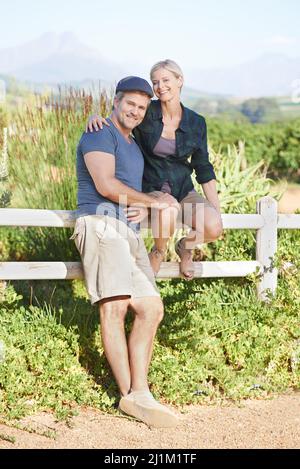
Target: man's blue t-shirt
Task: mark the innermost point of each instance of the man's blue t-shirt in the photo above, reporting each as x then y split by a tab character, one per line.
129	167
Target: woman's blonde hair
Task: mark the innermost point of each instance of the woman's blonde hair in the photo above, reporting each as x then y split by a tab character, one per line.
169	65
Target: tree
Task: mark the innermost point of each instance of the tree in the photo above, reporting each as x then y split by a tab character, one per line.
260	109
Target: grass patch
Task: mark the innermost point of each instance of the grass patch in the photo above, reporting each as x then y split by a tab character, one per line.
216	342
41	369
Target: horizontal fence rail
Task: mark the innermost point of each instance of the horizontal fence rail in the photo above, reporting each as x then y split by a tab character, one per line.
73	270
266	222
32	217
288	221
66	219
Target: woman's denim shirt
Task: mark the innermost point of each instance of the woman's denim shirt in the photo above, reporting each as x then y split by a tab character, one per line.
191	152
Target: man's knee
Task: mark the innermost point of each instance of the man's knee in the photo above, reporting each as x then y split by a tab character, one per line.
151	311
159	311
113	311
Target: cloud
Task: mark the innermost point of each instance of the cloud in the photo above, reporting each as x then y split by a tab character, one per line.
280	41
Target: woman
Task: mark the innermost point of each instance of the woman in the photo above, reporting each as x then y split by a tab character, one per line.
173	140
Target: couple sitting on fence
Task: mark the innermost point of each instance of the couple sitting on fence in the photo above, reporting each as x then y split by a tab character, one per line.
139	165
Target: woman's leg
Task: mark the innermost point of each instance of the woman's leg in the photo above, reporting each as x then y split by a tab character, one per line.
163	225
206	226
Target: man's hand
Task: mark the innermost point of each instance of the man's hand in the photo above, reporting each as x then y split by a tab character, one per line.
95	122
165	201
136	213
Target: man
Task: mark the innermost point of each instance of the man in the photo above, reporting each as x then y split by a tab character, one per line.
117	271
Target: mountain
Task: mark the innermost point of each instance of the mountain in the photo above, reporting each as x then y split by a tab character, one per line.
56	58
268	75
62	58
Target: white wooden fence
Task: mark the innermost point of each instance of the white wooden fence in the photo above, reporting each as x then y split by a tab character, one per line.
266	222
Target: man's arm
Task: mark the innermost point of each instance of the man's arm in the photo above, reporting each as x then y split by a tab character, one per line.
101	167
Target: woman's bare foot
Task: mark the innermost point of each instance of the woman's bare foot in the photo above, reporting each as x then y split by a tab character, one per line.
187	268
156	256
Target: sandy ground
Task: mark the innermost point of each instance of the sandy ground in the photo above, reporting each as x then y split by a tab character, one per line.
273	423
290	200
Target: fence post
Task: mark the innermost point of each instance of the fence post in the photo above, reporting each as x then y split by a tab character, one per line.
266	247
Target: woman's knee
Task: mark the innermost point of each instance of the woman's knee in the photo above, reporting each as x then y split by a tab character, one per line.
165	221
169	214
213	228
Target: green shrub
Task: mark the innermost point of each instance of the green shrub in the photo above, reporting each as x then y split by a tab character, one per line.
277	143
41	369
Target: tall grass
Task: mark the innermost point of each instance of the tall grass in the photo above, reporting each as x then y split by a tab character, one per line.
42	148
42	155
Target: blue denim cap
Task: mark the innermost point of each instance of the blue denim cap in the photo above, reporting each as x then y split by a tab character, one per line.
134	84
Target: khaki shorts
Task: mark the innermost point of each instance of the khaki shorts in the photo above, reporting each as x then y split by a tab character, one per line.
114	258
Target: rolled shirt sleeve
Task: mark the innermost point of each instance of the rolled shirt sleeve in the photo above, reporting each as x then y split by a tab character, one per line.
200	159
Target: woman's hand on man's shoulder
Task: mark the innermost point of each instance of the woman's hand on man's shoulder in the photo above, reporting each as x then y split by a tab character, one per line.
95	122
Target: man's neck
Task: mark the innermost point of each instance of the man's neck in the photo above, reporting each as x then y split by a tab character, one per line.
125	132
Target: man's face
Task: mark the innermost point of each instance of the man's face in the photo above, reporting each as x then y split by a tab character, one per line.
131	109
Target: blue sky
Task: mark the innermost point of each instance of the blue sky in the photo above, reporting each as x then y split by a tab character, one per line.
195	33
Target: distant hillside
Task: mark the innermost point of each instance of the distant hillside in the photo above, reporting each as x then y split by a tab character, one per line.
255	110
190	96
14	85
56	58
268	75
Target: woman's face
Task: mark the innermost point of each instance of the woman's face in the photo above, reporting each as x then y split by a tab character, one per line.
165	85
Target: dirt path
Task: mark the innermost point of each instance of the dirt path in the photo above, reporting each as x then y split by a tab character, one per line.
290	200
271	423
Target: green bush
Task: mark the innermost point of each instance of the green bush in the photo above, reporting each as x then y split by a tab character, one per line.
41	369
277	143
